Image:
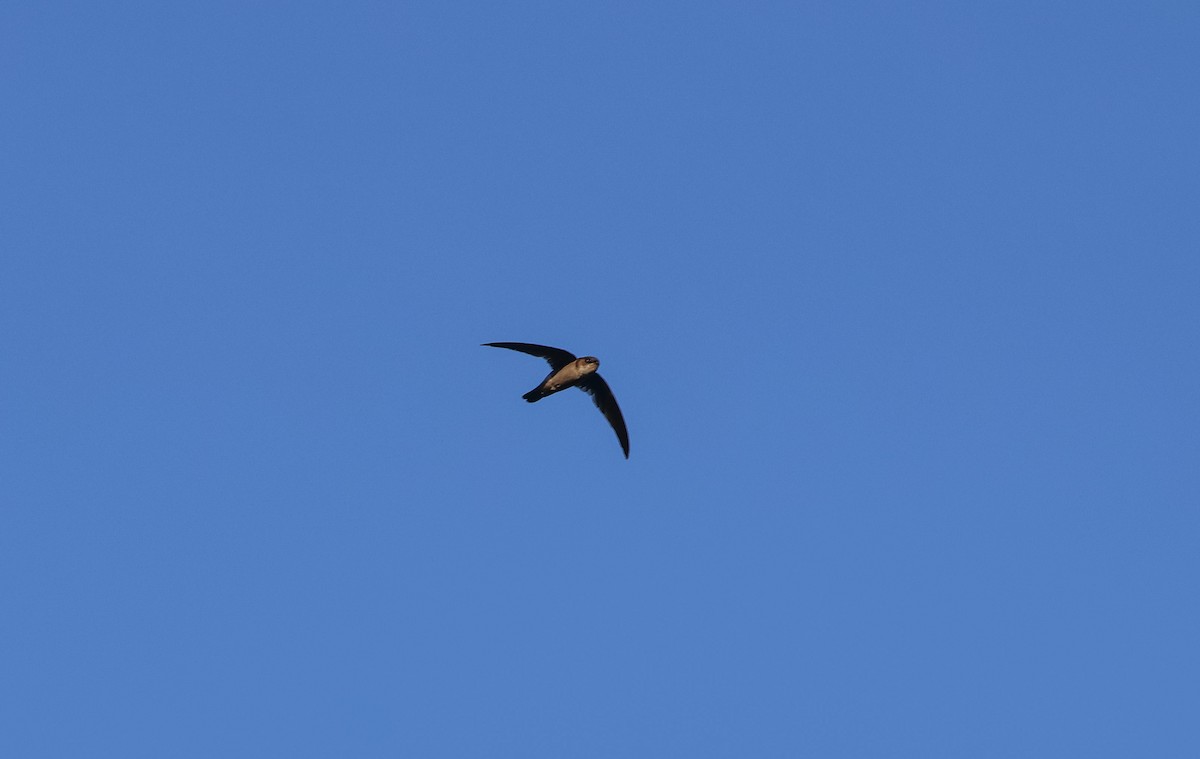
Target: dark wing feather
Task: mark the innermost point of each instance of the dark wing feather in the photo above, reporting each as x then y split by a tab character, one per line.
595	386
556	357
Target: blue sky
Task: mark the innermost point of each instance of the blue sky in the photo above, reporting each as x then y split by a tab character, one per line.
900	301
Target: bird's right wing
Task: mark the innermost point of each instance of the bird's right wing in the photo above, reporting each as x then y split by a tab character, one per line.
595	386
556	357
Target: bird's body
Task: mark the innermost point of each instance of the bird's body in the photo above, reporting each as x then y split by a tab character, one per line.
560	379
568	371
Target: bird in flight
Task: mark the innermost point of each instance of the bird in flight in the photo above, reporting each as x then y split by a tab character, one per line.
568	371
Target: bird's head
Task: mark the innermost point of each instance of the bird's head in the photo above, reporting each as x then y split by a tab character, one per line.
588	364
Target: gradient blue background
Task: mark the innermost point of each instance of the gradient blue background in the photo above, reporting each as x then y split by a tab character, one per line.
901	302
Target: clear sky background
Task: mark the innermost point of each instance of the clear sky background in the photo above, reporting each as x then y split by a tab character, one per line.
901	302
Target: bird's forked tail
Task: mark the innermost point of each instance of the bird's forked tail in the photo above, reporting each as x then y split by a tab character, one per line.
534	395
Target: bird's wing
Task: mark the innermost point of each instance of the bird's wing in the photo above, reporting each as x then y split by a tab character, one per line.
595	386
556	357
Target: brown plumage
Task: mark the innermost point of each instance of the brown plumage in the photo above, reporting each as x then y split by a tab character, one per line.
568	371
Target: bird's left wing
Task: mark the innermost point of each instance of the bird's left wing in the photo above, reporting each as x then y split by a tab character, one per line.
595	386
556	357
